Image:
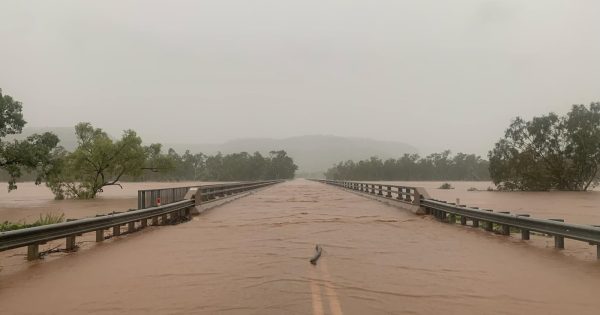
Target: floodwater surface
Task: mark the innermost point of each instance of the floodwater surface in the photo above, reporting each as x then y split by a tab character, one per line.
251	256
29	201
572	206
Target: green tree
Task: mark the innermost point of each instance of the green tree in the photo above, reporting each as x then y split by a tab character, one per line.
97	162
280	166
549	152
437	166
34	154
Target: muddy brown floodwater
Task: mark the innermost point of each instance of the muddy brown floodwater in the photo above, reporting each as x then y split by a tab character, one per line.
251	256
30	201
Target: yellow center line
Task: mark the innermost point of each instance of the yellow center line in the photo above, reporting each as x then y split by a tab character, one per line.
317	302
334	302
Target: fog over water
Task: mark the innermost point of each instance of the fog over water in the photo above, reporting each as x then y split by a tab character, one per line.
435	74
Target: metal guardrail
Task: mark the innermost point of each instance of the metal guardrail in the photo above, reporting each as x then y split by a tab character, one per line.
405	194
155	197
450	213
33	237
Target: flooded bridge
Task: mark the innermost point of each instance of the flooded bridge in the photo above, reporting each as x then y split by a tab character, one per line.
251	256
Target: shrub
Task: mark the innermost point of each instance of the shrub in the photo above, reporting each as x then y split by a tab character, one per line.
46	219
446	186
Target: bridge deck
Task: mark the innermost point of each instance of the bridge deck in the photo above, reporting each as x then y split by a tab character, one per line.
251	256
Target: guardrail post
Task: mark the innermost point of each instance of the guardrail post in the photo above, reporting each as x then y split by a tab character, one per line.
99	235
475	222
116	230
452	218
407	196
163	219
154	220
463	220
389	192
559	241
33	251
144	223
524	232
131	227
70	244
140	194
505	228
489	225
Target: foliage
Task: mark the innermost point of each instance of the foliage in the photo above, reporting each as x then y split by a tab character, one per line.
549	152
437	166
230	167
43	220
97	162
446	186
32	155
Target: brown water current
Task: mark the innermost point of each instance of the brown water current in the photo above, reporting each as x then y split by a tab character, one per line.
251	256
30	201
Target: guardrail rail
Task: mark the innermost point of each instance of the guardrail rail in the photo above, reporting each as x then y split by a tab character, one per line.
134	219
487	219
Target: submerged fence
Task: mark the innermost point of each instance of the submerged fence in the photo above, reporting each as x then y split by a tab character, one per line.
503	222
178	205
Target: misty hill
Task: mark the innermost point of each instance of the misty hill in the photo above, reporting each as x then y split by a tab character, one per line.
312	154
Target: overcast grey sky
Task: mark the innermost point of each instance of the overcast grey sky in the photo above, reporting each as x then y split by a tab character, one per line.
435	74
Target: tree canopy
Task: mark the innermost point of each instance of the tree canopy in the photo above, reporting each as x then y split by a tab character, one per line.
241	166
97	162
437	166
34	154
549	152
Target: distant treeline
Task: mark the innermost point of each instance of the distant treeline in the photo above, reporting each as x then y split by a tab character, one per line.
437	166
200	167
222	167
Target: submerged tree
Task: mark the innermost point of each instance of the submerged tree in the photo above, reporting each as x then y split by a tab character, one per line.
549	152
34	154
97	162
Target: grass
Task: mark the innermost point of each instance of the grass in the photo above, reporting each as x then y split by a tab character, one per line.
46	219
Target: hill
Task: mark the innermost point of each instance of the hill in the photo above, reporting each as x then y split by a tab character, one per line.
313	153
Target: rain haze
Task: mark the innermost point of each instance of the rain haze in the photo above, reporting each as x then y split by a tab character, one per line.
299	157
434	74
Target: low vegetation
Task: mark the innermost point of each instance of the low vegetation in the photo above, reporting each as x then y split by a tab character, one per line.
446	186
43	220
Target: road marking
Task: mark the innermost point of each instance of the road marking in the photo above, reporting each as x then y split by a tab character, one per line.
317	302
334	302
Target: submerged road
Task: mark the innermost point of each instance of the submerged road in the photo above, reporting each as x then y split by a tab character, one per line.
251	256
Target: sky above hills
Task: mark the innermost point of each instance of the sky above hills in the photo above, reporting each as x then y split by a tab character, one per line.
434	74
